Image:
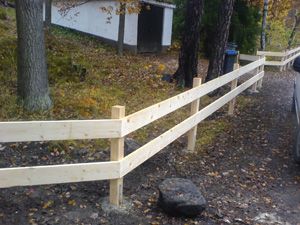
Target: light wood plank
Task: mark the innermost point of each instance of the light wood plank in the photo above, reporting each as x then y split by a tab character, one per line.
274	63
141	118
233	86
116	154
249	57
56	174
293	51
139	156
192	134
59	130
291	58
275	54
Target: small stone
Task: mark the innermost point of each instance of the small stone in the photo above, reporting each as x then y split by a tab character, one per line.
131	145
94	216
181	197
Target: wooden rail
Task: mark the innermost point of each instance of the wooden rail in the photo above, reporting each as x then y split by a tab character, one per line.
116	129
59	130
286	58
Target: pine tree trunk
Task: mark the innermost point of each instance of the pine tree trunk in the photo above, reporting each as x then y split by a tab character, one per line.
216	62
121	29
264	26
33	88
188	56
48	13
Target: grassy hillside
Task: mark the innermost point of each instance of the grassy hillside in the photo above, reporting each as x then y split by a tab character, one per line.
87	79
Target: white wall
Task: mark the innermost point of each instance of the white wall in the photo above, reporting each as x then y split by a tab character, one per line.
131	29
89	18
167	27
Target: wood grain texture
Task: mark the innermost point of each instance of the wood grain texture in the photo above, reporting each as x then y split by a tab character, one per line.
142	154
56	174
59	130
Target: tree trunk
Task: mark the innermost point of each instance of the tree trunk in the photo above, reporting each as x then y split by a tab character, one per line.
264	26
294	30
188	56
33	90
48	13
121	28
216	62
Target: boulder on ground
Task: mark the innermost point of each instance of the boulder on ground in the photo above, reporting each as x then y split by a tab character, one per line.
180	197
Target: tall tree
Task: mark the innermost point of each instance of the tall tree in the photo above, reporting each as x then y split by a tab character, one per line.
264	26
216	62
48	13
33	90
294	29
188	56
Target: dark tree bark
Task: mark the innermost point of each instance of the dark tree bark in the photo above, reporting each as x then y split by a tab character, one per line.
294	30
121	28
48	13
264	26
33	88
4	2
188	56
216	61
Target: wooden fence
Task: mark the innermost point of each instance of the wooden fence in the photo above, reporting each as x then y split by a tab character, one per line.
285	58
116	129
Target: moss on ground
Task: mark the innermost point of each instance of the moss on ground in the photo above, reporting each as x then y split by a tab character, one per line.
208	131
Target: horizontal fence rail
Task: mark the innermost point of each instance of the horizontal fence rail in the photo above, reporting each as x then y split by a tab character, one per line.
55	174
141	155
286	58
59	130
141	118
116	129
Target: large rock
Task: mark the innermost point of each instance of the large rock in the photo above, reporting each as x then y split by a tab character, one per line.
181	197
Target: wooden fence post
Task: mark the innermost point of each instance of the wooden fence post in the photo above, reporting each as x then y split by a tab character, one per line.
116	154
192	134
285	58
254	87
282	60
233	86
290	63
261	69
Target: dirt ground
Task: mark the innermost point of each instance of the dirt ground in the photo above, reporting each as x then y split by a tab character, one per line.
247	176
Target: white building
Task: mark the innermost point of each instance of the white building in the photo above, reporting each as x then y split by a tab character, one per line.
148	31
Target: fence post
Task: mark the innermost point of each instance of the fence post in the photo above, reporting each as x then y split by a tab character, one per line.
233	86
290	62
116	154
192	134
261	69
254	88
285	58
282	60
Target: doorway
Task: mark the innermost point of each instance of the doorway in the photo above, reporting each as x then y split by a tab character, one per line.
150	28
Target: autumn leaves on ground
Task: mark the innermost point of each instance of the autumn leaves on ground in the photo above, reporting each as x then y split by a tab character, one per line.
242	163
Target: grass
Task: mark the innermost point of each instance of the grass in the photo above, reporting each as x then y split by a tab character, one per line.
86	79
